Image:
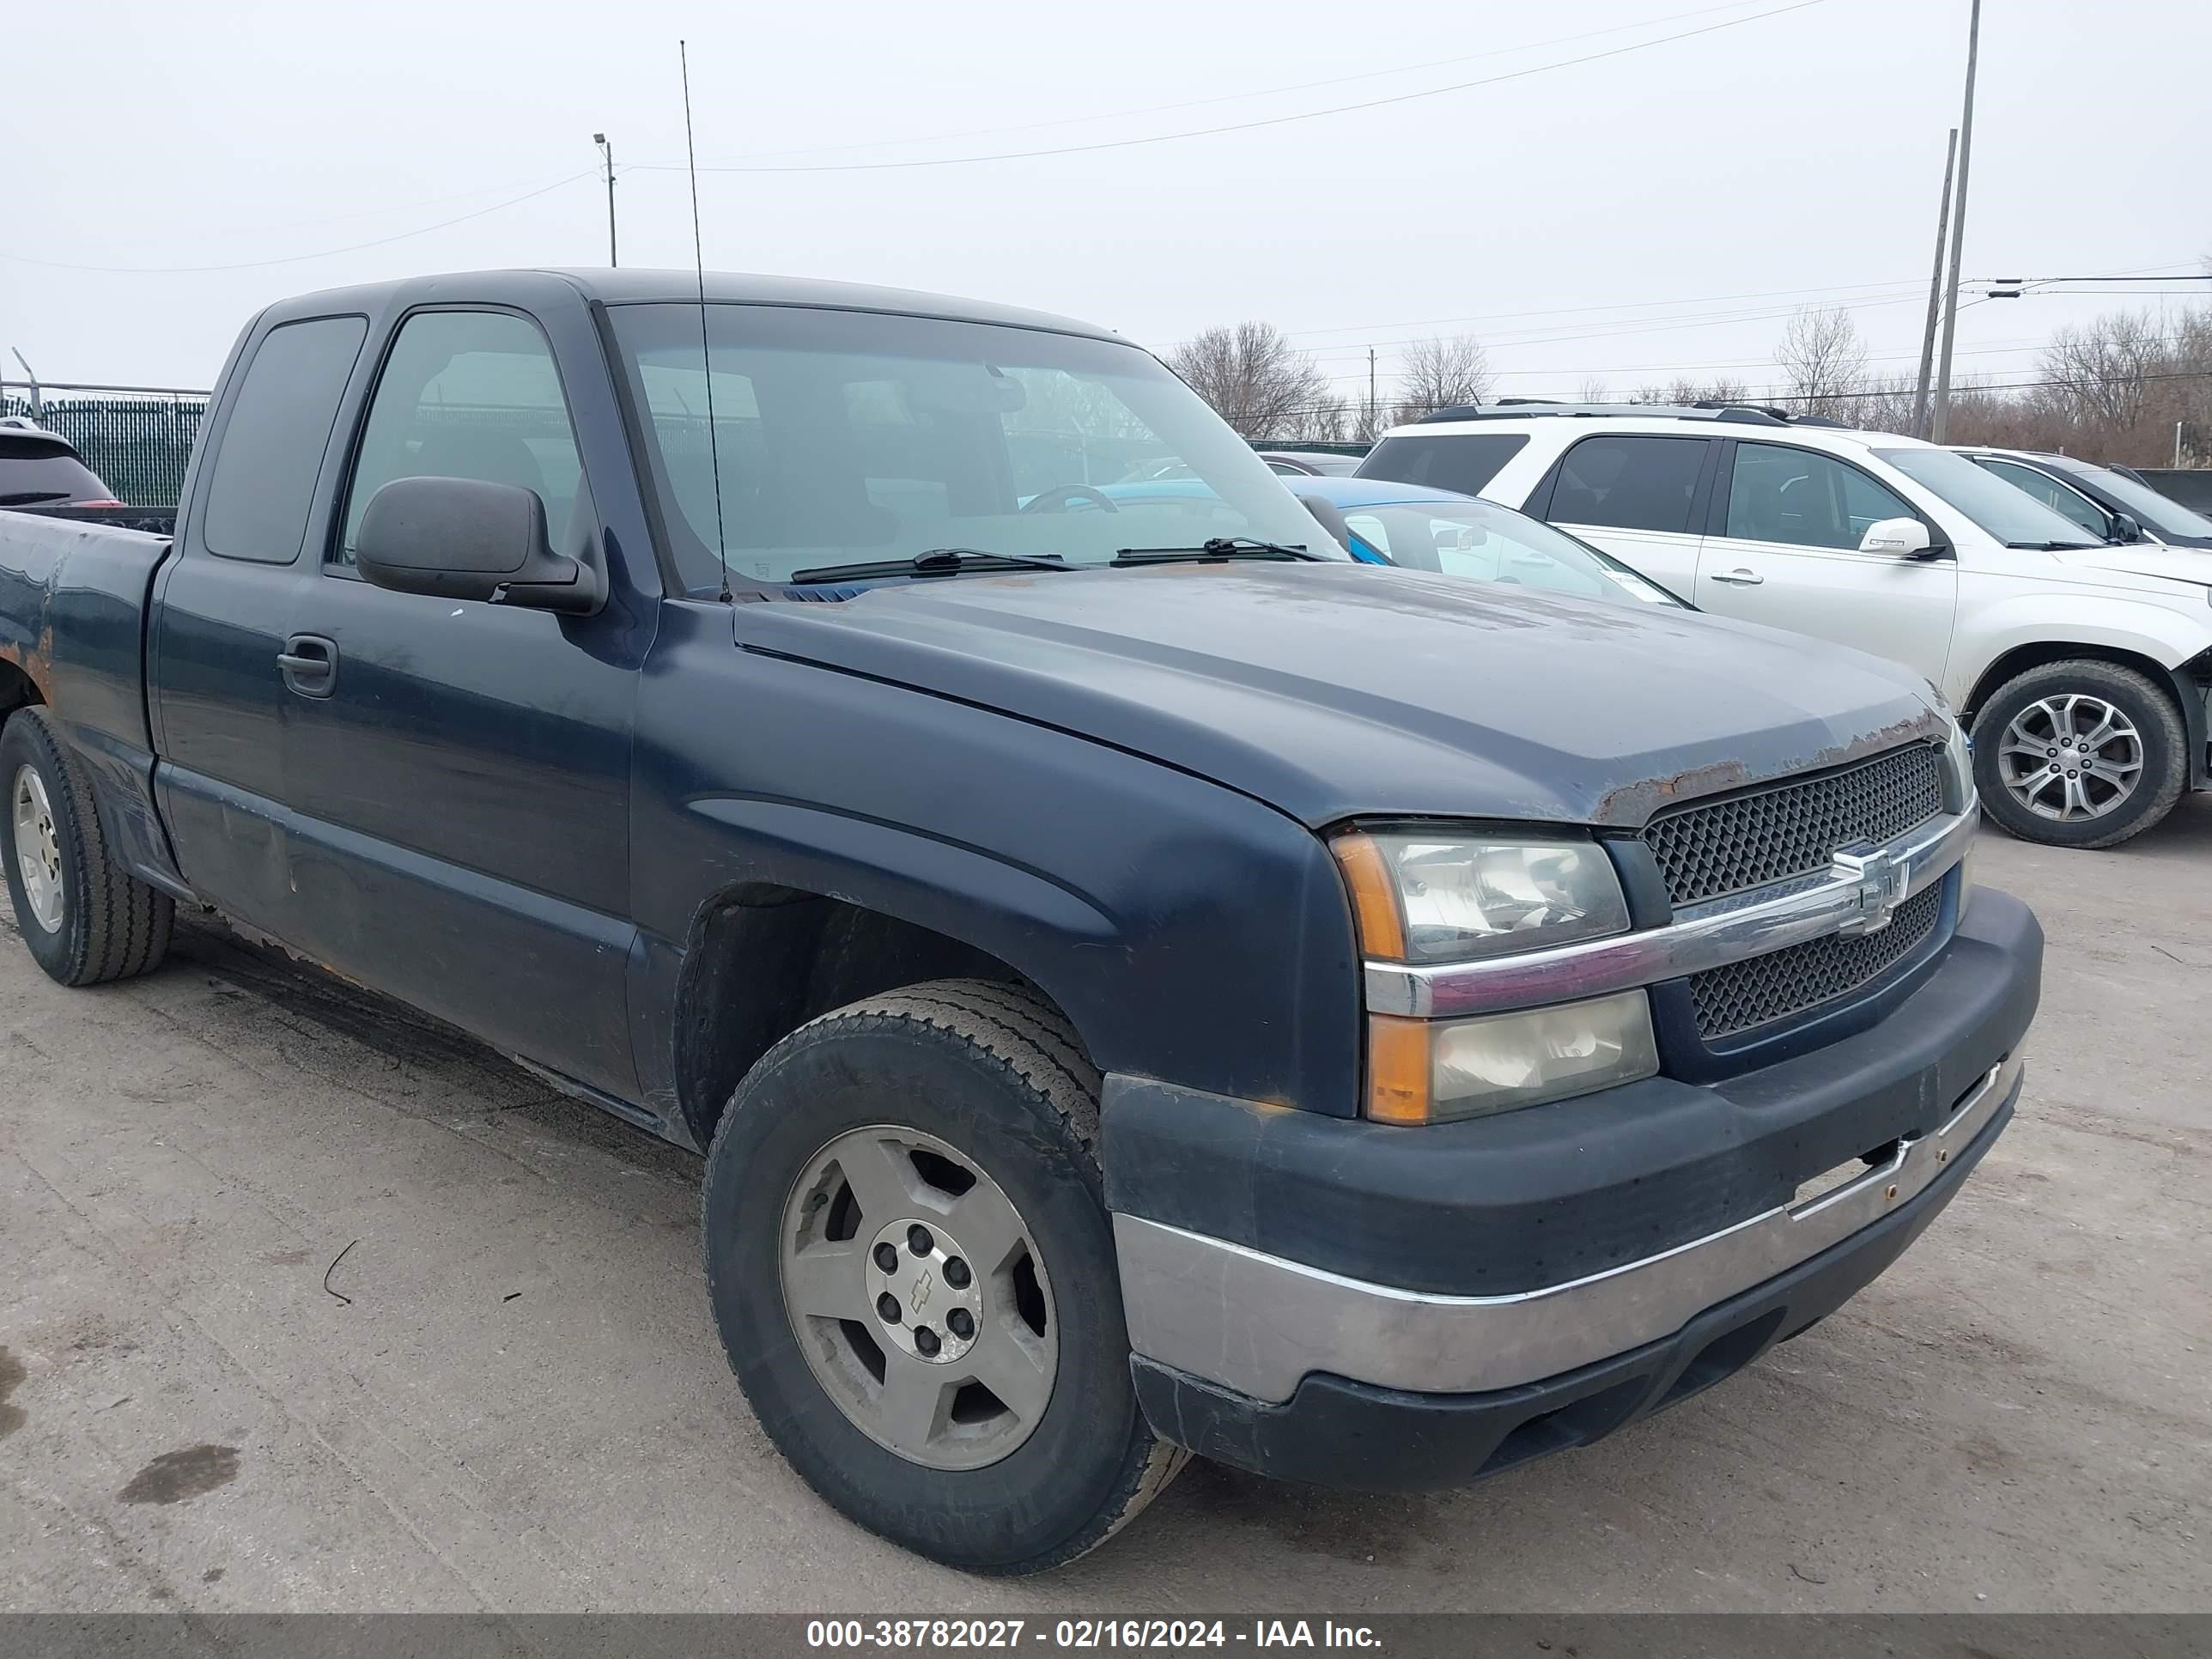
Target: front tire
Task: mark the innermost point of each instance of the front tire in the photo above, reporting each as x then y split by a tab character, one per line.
912	1270
84	919
2080	754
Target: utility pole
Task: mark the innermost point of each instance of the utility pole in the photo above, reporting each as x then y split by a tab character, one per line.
37	404
1934	295
1937	425
1374	415
607	152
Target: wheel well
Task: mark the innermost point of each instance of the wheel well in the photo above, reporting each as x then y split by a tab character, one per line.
765	960
2021	659
18	690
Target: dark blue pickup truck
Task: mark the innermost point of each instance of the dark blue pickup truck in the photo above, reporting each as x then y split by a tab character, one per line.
1143	983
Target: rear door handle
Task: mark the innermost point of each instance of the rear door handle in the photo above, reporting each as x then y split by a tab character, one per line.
1739	578
309	663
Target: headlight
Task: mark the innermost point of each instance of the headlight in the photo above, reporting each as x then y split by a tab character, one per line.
1434	1071
1427	898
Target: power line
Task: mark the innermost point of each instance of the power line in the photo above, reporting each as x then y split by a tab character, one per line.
1241	97
299	259
1248	126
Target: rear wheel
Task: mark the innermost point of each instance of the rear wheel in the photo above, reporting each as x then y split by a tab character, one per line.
912	1270
83	919
2080	754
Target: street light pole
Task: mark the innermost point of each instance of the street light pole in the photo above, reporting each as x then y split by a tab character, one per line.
1936	426
607	153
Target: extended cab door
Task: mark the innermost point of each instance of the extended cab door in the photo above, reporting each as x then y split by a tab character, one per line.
1785	552
221	627
1642	498
460	783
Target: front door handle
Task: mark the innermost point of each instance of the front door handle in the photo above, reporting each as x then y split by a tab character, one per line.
1739	578
309	663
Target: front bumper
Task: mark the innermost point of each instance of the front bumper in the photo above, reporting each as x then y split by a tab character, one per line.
1289	1279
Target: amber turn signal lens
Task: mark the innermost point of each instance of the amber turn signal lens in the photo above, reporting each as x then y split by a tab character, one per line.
1398	1069
1374	891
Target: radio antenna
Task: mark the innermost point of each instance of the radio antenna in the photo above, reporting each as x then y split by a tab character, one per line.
706	361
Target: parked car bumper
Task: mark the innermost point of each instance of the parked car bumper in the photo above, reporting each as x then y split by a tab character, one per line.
1264	1334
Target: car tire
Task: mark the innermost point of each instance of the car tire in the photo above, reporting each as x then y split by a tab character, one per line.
85	920
2132	781
950	1081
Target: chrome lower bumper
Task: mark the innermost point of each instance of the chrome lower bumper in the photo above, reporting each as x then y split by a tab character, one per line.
1258	1324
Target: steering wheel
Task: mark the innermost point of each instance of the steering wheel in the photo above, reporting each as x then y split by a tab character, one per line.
1061	495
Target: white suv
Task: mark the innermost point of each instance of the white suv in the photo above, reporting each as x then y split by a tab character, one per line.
2081	669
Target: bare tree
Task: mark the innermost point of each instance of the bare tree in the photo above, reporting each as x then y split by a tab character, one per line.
1440	374
2108	369
1371	418
1825	361
1684	389
1255	380
1592	390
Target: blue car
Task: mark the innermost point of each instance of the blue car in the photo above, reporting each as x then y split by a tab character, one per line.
1380	522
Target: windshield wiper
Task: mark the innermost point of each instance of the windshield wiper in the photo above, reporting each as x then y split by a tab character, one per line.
1220	547
937	561
2055	547
27	497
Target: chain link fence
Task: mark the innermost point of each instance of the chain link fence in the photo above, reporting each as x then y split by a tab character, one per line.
138	443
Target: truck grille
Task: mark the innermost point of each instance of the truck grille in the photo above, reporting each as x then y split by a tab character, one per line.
1712	849
1801	977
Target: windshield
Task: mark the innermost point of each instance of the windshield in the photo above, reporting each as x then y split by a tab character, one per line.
2160	512
1491	543
857	437
2005	511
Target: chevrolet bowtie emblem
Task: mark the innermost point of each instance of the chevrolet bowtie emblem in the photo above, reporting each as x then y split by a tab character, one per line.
1883	882
918	1298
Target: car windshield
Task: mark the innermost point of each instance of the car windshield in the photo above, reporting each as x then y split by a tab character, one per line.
2161	513
847	437
2004	510
1492	543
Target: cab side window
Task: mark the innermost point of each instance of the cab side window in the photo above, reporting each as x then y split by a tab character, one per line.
1629	483
468	394
1804	499
272	442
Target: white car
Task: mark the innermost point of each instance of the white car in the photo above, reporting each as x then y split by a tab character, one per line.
2081	669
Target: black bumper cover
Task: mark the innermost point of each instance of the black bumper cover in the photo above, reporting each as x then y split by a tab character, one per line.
1333	1432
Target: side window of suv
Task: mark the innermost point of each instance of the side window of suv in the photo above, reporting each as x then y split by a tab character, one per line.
467	394
1629	483
2054	495
1805	499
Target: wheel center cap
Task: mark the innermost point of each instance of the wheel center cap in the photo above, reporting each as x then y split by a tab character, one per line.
924	1293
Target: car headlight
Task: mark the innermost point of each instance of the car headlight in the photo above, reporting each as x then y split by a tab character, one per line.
1428	898
1425	1071
1439	897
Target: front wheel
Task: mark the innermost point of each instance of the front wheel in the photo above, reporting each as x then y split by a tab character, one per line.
912	1273
2080	754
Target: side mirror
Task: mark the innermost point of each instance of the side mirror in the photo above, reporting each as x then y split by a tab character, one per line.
1327	516
464	538
2126	527
1901	539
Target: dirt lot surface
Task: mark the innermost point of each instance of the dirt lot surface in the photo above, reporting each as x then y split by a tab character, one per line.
519	1403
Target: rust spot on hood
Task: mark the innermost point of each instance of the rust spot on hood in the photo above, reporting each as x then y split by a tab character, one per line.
1635	804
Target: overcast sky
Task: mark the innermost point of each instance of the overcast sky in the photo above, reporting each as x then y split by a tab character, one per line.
1658	209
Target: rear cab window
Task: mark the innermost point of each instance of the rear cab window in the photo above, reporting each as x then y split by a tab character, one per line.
272	441
1464	462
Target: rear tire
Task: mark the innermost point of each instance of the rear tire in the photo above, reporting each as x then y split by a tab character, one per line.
972	1088
85	921
2028	749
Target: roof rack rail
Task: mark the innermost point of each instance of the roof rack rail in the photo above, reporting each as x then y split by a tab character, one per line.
1523	409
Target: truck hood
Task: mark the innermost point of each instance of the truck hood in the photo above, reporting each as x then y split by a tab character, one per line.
1331	691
